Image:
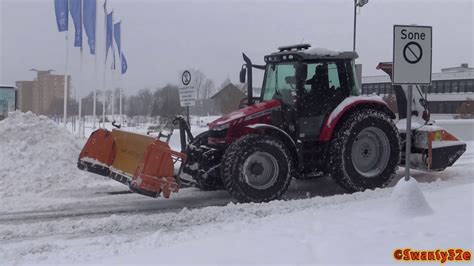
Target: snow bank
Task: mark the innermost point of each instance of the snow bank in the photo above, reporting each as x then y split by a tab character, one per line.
408	200
37	155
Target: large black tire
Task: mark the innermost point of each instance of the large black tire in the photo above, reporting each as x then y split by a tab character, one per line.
209	182
365	151
257	168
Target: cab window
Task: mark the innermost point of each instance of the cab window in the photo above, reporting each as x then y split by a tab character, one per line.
331	79
278	78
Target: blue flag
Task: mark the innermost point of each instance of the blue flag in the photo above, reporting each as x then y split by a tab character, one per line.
61	10
76	15
117	38
89	19
108	34
124	64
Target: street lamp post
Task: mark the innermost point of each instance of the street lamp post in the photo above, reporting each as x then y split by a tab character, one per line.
357	3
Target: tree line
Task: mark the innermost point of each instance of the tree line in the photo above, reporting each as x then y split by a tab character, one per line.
159	102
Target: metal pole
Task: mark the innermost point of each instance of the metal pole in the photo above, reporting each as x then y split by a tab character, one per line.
120	106
96	84
355	26
187	116
105	71
113	94
408	134
66	80
120	73
113	74
81	75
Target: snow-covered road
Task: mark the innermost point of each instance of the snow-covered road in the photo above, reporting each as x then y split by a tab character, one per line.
99	222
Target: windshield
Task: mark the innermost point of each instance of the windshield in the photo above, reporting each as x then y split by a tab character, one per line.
278	79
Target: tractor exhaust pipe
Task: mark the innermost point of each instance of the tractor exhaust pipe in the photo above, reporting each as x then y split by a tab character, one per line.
248	64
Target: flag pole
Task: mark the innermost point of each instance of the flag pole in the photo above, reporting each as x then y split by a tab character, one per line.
94	106
113	73
105	89
66	80
120	76
105	71
81	74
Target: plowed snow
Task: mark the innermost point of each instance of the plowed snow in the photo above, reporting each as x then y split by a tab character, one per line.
39	156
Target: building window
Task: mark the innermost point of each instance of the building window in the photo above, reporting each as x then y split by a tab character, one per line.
370	89
434	87
470	85
441	107
388	88
424	88
447	86
381	88
377	88
454	86
462	86
429	88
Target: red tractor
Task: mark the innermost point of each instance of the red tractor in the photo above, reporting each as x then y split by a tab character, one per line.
309	120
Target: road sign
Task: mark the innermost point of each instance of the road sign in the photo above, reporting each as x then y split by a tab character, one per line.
412	54
187	92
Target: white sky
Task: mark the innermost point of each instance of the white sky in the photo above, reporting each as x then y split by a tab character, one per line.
161	38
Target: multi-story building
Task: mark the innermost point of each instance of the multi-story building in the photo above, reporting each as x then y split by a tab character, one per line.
450	88
41	94
25	95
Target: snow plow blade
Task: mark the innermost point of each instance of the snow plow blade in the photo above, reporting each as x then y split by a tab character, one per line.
144	163
435	149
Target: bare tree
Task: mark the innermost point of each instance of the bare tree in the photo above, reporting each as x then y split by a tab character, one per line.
204	85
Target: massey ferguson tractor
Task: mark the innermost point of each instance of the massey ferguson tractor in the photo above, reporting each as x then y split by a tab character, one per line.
309	120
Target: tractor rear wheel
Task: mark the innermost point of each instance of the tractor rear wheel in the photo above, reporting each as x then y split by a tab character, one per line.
365	151
257	168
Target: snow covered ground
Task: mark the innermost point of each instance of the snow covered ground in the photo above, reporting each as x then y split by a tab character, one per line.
52	213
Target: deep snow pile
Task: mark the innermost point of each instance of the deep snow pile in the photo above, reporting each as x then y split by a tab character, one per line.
37	155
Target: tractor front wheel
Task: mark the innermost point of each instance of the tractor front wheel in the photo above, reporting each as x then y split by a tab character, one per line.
257	168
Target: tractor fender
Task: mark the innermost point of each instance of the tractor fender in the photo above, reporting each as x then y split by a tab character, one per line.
290	143
348	106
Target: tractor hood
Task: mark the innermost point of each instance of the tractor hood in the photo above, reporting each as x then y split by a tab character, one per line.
250	112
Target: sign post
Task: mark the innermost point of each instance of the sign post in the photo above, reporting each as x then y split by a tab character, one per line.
187	93
411	66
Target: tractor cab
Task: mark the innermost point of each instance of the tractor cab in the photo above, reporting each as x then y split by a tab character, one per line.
309	83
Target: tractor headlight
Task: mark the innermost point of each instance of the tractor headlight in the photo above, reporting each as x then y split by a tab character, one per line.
219	132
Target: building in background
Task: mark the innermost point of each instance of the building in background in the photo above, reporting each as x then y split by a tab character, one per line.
25	95
450	90
44	95
228	99
8	97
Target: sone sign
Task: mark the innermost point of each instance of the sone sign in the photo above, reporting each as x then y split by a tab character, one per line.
412	54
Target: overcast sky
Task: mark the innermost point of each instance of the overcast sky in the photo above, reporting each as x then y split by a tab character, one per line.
161	38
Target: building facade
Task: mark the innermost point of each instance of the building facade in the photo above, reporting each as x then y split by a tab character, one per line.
25	95
42	94
449	90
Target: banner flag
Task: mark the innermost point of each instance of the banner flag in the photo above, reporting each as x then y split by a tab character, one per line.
124	64
117	36
62	14
89	19
108	34
75	9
